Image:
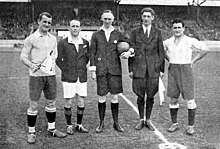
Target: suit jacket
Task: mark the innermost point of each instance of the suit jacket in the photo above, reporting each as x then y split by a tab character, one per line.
104	53
149	53
73	63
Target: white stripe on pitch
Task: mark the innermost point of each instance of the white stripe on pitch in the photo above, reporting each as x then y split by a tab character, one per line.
136	110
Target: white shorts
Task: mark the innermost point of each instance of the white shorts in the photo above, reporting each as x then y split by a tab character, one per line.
71	89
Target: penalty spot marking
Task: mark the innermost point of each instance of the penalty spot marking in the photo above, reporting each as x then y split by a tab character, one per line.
166	144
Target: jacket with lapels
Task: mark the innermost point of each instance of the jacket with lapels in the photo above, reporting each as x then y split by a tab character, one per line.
149	53
72	62
104	53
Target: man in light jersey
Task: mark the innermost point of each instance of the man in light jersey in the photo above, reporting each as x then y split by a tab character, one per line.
179	49
39	54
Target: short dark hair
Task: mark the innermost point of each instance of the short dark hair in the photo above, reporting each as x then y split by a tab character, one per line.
148	9
44	14
107	11
177	20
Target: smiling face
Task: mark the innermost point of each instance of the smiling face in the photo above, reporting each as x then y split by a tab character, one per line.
75	28
44	24
107	19
147	18
178	29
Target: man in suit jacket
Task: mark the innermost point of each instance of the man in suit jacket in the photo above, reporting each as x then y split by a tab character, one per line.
73	56
147	65
105	65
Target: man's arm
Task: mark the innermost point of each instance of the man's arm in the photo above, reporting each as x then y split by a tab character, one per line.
60	57
161	52
203	50
25	54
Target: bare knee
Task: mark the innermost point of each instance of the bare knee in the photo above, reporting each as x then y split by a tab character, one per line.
114	99
81	102
51	104
102	99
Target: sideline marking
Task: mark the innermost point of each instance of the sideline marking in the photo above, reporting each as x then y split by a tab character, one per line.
166	144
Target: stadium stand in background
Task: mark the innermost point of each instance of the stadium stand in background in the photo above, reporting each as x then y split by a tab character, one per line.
18	20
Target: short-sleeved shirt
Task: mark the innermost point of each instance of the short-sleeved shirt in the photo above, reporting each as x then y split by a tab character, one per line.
37	47
182	53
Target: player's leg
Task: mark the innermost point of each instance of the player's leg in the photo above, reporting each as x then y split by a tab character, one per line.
82	93
174	107
139	87
50	109
152	89
35	88
102	91
69	92
173	91
115	86
188	95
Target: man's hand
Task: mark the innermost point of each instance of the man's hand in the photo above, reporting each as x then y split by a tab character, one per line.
34	67
161	74
131	75
125	55
93	75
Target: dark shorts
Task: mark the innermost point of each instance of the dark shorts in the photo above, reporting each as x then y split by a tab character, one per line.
109	83
180	80
47	84
146	85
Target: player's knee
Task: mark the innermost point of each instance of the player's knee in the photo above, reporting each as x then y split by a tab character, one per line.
114	99
191	104
102	99
51	103
81	101
68	102
174	101
33	106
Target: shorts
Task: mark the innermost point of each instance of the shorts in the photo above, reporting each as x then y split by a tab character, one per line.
47	84
109	83
71	89
180	80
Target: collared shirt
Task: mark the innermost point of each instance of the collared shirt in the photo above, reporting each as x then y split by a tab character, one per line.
107	31
148	28
37	48
75	42
182	53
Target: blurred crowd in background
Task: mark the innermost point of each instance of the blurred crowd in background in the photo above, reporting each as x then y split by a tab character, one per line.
17	20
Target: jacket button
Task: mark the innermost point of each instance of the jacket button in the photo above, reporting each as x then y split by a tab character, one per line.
99	59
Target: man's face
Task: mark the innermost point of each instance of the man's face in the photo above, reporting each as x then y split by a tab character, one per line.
147	18
75	27
107	19
178	29
45	23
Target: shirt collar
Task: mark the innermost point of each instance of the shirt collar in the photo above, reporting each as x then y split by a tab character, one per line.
38	34
111	29
148	27
79	41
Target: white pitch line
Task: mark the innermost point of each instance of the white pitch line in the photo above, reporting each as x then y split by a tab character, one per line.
136	110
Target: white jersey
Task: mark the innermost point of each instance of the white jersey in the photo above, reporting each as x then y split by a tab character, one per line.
182	53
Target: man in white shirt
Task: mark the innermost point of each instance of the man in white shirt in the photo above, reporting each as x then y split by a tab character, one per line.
179	50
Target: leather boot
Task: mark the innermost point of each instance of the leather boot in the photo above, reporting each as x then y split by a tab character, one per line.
114	108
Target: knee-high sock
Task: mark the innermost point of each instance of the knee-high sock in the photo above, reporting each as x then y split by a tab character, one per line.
149	107
191	116
51	117
114	108
140	103
101	108
68	115
80	111
31	118
173	114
